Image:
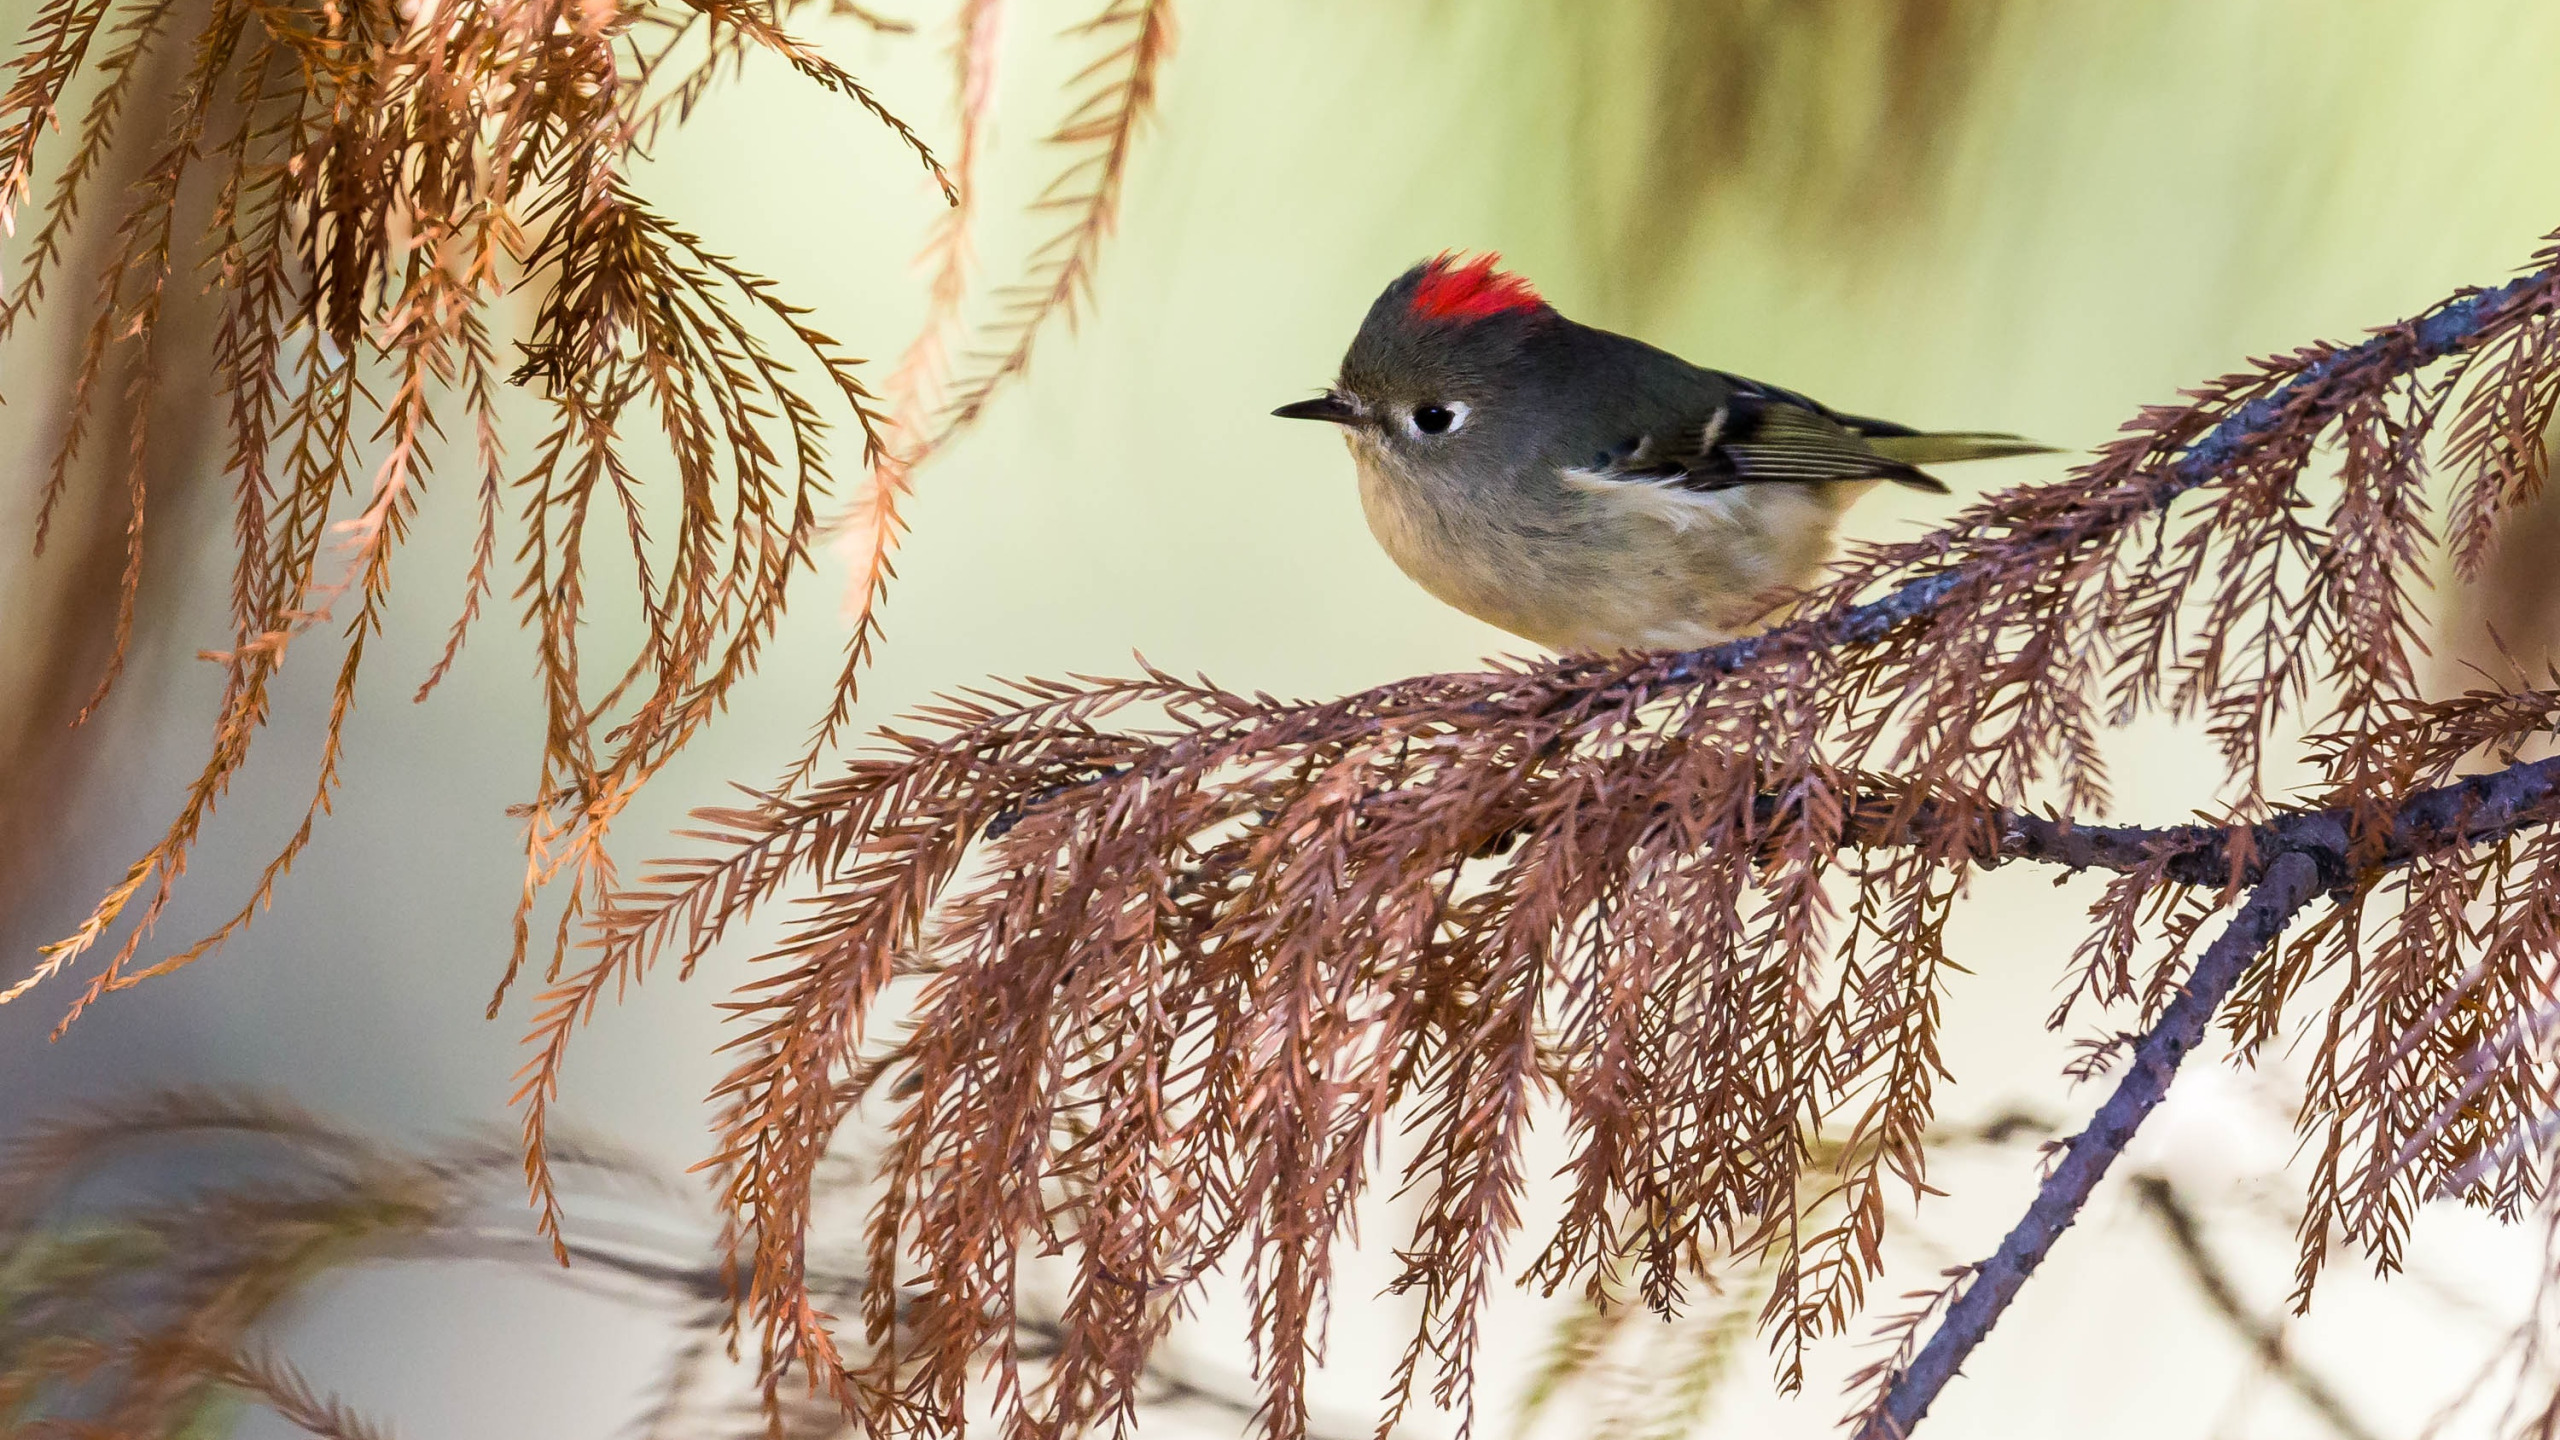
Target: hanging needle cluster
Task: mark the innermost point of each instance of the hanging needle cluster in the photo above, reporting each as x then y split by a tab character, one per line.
1193	956
356	189
1188	958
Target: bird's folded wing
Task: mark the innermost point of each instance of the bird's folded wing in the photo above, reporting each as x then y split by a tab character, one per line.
1757	437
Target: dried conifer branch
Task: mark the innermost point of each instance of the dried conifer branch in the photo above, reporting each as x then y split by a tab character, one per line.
1182	977
2292	882
380	177
1182	973
2292	864
140	1291
2308	396
1101	130
2479	807
276	1385
361	184
137	1315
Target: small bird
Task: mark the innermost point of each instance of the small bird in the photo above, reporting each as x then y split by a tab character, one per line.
1587	491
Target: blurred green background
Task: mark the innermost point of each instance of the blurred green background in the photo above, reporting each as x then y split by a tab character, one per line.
2000	216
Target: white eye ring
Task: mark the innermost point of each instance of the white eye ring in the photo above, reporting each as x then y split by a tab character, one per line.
1455	410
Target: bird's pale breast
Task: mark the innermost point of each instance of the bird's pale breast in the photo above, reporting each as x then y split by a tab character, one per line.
1578	564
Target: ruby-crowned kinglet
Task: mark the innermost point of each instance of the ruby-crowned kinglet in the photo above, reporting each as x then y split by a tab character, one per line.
1587	491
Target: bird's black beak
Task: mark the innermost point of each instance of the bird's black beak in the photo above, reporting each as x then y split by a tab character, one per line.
1327	406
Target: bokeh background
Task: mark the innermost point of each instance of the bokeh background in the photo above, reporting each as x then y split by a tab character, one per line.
1954	212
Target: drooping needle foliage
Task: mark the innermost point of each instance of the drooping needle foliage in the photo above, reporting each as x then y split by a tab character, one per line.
356	188
1189	971
1190	956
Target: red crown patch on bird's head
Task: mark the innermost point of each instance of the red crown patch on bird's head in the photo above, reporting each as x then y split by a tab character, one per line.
1454	288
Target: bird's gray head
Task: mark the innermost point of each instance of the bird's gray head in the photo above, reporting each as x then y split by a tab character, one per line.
1429	380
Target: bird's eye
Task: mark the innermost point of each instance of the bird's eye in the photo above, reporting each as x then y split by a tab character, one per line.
1438	419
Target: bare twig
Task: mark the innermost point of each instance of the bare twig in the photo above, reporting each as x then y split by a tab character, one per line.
2477	807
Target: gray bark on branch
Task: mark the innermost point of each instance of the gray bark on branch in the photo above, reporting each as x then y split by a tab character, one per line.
2475	808
2293	859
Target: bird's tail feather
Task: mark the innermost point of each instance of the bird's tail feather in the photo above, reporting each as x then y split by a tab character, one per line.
1949	447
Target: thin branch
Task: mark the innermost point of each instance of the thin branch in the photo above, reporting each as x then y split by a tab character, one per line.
2290	883
2406	347
2475	808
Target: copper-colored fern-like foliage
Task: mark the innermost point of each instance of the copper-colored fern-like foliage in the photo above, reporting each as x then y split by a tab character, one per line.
359	184
1194	954
151	1248
1189	956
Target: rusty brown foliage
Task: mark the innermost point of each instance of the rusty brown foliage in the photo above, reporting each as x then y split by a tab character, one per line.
357	187
149	1250
1186	958
1195	955
365	182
